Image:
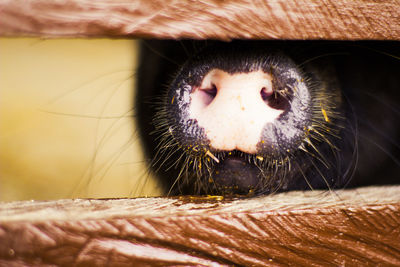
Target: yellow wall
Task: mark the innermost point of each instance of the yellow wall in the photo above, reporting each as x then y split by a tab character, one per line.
57	139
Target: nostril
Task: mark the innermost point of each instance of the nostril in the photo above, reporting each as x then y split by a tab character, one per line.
274	100
208	94
212	92
265	94
279	101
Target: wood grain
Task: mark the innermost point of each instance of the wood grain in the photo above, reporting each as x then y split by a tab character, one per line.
346	228
259	19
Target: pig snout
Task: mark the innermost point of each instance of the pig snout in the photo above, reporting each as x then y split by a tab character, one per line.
235	122
233	110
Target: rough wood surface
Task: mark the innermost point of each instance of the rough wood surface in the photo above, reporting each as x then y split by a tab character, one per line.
346	228
258	19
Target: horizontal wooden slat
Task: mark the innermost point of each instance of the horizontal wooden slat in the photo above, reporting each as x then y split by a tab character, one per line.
259	19
346	228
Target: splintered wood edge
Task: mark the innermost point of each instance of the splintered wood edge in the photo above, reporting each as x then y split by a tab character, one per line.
356	227
209	19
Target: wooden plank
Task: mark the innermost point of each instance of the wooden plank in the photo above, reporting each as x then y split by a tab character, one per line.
259	19
359	227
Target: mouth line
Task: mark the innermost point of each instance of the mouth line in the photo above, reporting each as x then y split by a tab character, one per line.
236	154
233	156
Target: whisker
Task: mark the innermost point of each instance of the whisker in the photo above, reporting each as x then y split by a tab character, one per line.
304	176
390	155
322	56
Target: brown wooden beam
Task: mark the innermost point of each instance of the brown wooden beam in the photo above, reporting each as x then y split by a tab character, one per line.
259	19
345	228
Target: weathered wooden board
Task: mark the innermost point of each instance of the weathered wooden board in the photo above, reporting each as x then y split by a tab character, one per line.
358	227
347	228
258	19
